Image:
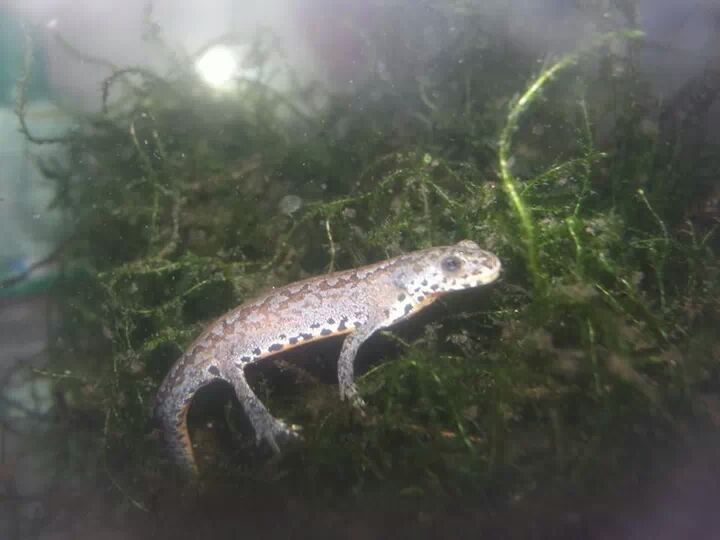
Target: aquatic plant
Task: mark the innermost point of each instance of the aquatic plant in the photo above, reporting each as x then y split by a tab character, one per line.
598	345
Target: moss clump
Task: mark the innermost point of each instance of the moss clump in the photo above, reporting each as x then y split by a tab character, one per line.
598	345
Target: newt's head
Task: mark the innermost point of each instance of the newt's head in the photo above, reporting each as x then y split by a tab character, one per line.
449	268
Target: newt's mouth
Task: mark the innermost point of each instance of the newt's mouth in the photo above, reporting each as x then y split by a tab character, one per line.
491	276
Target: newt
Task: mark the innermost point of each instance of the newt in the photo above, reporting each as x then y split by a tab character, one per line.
354	303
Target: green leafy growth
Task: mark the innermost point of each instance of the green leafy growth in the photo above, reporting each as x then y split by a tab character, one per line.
598	344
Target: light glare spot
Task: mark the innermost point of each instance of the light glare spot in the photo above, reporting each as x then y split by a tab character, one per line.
217	66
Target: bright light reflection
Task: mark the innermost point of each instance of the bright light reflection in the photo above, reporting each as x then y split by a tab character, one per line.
217	66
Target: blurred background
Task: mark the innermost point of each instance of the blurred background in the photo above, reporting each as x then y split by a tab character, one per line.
71	47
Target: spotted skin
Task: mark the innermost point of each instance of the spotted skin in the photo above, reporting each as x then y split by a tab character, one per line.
354	303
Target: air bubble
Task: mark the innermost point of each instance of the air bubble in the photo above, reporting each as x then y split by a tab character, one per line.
290	204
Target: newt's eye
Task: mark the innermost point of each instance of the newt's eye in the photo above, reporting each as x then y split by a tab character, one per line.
451	264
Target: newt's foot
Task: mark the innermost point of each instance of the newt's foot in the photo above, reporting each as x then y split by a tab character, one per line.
277	433
350	393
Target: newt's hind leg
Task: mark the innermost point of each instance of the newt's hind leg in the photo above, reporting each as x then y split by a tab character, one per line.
267	428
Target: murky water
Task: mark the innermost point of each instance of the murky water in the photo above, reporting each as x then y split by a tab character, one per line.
167	162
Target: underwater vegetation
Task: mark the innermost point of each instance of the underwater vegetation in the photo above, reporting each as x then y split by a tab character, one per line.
598	346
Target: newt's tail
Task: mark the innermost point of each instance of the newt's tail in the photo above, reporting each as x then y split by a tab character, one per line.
172	404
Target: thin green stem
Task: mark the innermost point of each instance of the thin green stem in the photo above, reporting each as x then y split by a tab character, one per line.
661	254
510	185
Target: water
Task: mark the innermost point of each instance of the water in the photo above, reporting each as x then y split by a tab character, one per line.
576	397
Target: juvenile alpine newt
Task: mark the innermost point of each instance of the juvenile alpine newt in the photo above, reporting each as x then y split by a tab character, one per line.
355	303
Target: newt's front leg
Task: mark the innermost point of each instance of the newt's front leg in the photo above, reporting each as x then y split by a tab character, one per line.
346	363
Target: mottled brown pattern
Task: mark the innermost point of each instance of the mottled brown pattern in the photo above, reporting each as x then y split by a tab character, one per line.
356	302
